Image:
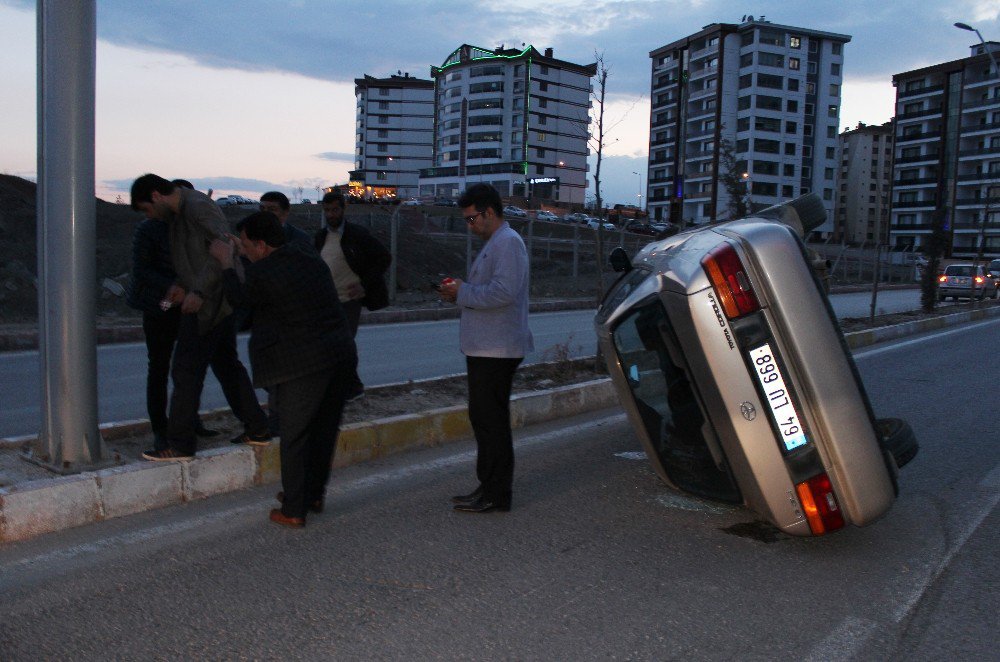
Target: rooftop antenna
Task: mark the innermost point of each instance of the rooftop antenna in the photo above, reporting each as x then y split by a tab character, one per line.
744	19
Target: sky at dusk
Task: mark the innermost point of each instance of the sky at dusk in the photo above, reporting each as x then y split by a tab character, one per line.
249	96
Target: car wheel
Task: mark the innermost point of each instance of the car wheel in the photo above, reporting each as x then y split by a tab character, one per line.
896	436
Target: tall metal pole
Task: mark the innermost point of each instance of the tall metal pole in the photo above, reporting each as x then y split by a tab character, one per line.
67	264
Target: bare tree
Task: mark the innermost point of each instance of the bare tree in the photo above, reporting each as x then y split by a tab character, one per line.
731	177
597	140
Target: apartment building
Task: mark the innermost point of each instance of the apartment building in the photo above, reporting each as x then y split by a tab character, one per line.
768	92
861	211
947	154
515	118
394	135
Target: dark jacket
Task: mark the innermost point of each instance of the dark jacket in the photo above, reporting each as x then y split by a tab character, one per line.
192	229
295	234
152	270
367	257
299	327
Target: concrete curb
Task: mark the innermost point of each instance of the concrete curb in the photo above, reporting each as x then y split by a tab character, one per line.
28	340
43	506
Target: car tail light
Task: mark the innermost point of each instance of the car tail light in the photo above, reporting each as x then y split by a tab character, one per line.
820	505
942	279
979	280
730	281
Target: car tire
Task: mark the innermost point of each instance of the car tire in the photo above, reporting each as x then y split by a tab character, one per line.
896	436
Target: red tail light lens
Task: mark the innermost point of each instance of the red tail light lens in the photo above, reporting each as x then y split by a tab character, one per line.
730	281
979	280
942	279
820	505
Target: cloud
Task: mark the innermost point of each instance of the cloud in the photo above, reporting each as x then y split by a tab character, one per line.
220	183
336	156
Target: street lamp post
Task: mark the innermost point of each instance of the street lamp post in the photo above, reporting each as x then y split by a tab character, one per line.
639	196
966	26
748	203
395	177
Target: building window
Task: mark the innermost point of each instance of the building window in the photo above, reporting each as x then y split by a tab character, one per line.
543	69
835	68
831	132
791	127
837	48
794	41
793	63
540	137
793	84
383	92
807	151
832	111
788	170
543	86
769	81
831	153
791	105
834	90
787	191
828	173
790	149
383	133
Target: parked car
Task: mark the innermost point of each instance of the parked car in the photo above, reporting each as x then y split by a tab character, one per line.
511	210
735	375
594	223
445	202
993	271
306	201
411	202
638	227
576	217
963	281
547	216
225	201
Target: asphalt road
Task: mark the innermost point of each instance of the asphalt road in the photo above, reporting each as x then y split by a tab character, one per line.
598	560
388	354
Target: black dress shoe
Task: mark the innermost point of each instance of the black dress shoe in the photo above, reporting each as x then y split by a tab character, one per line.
484	505
468	498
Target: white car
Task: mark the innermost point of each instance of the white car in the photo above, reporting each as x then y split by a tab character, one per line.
511	210
410	202
547	216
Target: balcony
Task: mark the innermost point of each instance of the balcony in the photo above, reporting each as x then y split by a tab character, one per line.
920	113
930	89
982	151
988	103
930	158
973	129
926	135
915	181
980	177
914	204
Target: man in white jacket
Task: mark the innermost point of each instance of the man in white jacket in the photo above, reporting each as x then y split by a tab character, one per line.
494	337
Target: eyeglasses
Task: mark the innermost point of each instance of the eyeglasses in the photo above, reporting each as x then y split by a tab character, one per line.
472	219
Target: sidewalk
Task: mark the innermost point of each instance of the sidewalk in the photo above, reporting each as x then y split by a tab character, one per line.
32	502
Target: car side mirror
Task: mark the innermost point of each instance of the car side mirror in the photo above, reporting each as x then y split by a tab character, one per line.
619	260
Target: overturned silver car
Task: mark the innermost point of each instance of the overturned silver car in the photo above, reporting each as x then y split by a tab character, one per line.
735	375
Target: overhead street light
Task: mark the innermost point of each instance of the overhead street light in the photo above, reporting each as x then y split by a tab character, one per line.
966	26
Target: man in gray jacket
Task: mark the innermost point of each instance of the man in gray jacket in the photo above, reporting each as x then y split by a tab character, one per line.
207	335
494	336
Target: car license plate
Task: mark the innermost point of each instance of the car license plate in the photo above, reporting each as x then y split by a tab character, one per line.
778	398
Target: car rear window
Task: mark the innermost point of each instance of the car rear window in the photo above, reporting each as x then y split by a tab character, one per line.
668	404
958	270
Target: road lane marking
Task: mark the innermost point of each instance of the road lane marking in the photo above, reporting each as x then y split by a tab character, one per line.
863	354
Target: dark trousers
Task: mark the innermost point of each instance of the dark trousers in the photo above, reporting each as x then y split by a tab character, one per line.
310	409
353	311
160	330
193	355
490	383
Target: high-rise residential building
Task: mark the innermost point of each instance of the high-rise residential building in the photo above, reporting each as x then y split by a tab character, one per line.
947	154
393	140
861	211
515	118
767	94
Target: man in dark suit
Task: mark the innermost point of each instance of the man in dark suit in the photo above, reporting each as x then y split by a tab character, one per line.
358	262
278	204
300	345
